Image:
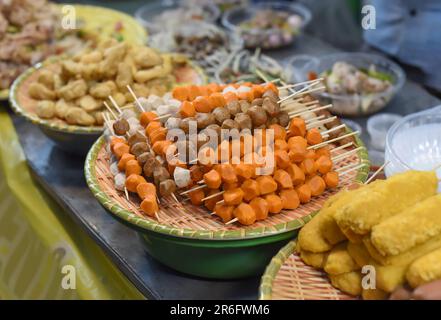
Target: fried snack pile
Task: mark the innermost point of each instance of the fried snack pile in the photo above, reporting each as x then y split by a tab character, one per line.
76	93
393	225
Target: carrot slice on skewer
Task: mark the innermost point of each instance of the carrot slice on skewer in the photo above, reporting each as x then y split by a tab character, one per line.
233	197
146	117
212	179
149	205
261	208
275	204
266	184
313	136
187	110
180	93
251	189
290	199
245	214
283	179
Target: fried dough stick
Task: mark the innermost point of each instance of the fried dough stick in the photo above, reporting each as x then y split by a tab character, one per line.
388	198
408	229
425	269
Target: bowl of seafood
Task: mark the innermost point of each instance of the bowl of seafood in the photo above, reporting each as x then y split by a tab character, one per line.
414	143
268	25
223	173
66	97
31	32
356	84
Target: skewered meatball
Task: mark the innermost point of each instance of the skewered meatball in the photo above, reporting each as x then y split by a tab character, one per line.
121	126
221	114
205	119
283	118
270	94
149	167
185	124
271	107
167	187
244	105
257	115
160	174
257	102
145	157
137	137
139	148
244	121
233	107
230	124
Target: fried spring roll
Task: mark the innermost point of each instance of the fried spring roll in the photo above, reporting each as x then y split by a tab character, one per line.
316	260
390	277
405	258
359	253
385	199
347	282
408	229
374	294
339	260
425	269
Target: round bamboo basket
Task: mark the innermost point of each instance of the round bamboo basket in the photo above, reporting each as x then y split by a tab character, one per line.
287	277
100	22
189	231
71	138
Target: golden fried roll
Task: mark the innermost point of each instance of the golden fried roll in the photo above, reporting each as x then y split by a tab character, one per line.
413	226
316	260
339	261
389	277
386	199
310	237
407	257
374	294
347	282
359	253
425	269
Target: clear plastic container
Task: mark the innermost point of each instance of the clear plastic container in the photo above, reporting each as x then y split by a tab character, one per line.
349	104
414	142
268	38
378	126
147	13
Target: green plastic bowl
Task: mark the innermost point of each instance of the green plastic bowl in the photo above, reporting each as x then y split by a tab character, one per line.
223	254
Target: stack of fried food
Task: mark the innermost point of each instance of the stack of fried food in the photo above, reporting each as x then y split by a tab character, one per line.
393	225
76	92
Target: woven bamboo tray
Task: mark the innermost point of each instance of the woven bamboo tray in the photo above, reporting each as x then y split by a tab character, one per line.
187	221
287	277
100	22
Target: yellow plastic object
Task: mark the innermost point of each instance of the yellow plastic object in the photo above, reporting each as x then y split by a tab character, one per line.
38	242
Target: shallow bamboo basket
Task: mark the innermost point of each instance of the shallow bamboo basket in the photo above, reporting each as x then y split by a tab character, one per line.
287	277
183	219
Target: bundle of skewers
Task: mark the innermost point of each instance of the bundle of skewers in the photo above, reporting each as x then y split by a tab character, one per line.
289	149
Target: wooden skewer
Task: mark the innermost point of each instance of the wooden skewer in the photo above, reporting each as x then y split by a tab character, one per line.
320	122
372	177
232	221
303	91
213	196
341	147
346	154
352	169
163	116
175	198
288	86
110	110
314	119
334	129
115	104
126	193
294	114
333	140
136	99
193	189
